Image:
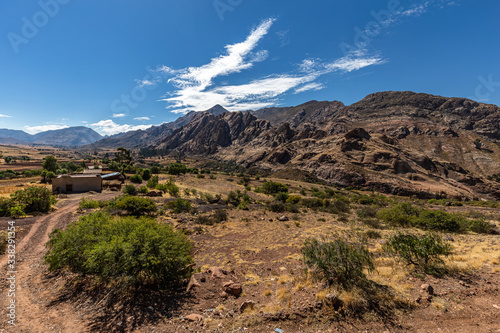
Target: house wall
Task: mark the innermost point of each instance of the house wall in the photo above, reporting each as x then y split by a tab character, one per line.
78	184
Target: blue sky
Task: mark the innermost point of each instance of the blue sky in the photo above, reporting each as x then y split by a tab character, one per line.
119	65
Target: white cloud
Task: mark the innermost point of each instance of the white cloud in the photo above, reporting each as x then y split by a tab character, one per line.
43	128
109	127
85	122
196	90
118	115
351	63
142	118
310	86
416	10
145	83
4	116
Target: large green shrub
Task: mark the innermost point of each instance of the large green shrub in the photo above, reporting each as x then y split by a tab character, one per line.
179	205
35	199
440	220
130	189
153	181
421	251
126	250
136	179
273	187
337	261
146	174
5	205
400	215
136	205
176	169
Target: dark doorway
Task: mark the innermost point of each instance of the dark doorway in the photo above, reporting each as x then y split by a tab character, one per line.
69	188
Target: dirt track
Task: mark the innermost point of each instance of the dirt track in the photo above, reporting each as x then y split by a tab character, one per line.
32	312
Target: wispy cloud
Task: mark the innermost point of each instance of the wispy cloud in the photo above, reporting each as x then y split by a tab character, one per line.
195	88
4	116
109	127
142	118
43	128
118	115
308	87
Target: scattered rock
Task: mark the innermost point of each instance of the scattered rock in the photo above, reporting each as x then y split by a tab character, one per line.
224	295
194	317
217	272
283	218
193	282
427	288
418	300
429	298
247	305
232	288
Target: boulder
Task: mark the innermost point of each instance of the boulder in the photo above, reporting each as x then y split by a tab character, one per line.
194	317
247	305
232	288
427	288
217	272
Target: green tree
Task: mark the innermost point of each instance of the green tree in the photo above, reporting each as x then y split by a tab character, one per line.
50	164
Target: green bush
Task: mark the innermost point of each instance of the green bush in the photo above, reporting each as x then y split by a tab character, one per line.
293	199
88	204
136	205
336	206
423	252
400	215
200	176
127	251
276	207
273	188
281	196
169	187
313	203
137	179
440	220
130	190
176	169
217	217
479	225
146	174
155	170
17	211
337	261
142	190
5	205
366	212
35	199
179	205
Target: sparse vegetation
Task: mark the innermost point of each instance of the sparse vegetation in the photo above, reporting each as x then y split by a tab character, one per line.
338	261
422	251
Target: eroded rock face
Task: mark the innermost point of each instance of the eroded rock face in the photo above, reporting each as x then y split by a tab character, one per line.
388	141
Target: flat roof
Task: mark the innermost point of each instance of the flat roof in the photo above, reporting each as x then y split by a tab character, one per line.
80	176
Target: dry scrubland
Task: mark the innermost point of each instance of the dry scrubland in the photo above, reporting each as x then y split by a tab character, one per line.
262	251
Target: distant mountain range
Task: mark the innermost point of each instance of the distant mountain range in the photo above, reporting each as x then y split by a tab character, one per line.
397	142
67	137
402	143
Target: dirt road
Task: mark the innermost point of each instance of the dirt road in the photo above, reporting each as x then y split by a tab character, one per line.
31	312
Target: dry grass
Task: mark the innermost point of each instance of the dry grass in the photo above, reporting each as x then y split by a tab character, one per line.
252	279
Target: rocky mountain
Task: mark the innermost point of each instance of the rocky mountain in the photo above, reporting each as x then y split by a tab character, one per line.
72	136
142	138
395	142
